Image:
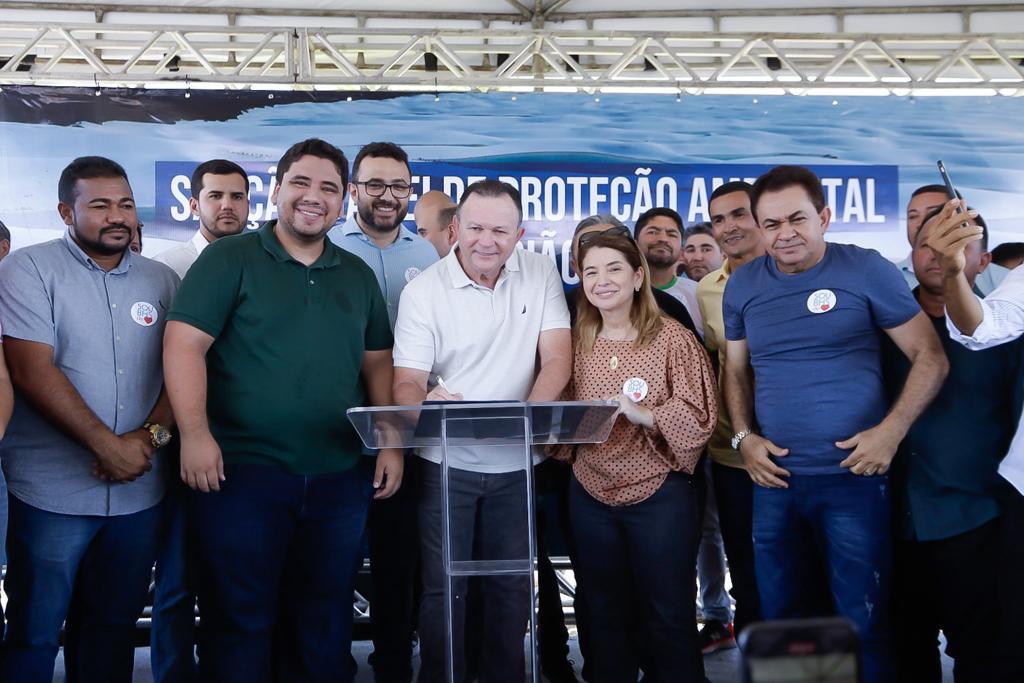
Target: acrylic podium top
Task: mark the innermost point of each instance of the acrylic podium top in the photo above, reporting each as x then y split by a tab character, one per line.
484	423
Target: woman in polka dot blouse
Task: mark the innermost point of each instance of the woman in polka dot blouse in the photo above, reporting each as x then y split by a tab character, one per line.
633	503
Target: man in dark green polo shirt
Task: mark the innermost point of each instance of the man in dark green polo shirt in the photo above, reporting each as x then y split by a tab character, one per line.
272	337
947	492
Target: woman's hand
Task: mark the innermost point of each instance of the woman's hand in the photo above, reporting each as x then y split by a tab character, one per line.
634	412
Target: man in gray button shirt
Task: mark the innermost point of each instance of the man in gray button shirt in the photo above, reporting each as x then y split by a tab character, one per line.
83	322
380	189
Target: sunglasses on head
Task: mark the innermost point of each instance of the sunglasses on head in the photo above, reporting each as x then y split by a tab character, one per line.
587	238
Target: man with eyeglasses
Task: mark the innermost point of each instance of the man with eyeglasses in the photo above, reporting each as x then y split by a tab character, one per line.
380	189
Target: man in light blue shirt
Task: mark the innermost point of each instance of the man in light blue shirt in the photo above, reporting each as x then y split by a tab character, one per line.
923	201
83	319
380	188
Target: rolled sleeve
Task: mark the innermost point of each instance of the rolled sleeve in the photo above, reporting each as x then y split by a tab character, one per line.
1001	322
26	307
1002	316
414	335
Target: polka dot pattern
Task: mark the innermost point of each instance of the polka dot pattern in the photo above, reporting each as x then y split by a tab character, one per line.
682	392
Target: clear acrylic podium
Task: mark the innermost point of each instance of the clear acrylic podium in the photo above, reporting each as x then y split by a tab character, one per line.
459	429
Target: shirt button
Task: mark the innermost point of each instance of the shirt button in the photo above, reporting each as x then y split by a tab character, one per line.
117	338
311	282
120	407
120	371
113	305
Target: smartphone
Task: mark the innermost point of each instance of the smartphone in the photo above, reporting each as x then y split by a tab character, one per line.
950	190
801	651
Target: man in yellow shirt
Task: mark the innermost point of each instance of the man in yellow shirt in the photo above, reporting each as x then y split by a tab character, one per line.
736	231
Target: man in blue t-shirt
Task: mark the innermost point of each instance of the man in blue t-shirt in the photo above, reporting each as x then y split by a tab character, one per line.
802	325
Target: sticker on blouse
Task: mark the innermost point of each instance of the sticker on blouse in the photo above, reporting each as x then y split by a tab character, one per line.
144	313
411	273
635	388
821	301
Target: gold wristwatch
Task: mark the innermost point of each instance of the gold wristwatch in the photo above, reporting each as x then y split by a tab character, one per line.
159	435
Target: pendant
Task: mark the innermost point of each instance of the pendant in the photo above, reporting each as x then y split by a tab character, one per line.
614	362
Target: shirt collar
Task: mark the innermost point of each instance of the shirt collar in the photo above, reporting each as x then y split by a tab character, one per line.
722	273
351	227
274	247
86	260
458	275
670	285
199	242
907	264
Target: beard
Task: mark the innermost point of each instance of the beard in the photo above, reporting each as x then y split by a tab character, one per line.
658	260
212	226
98	246
367	218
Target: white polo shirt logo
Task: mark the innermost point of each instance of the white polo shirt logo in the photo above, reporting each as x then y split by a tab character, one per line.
410	274
821	301
144	313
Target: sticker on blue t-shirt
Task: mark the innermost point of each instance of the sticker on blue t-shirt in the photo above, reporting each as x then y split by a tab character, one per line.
813	339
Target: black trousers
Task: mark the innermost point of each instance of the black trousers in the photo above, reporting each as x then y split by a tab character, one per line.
734	492
394	557
640	560
949	584
1010	587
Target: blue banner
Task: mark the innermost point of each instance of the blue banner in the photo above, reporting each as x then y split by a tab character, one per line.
557	196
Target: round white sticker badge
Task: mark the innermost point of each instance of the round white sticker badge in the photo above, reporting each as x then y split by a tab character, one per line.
821	301
411	273
635	388
144	313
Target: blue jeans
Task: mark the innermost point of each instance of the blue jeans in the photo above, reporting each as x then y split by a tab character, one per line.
92	572
277	556
714	600
487	518
844	522
639	562
3	541
173	631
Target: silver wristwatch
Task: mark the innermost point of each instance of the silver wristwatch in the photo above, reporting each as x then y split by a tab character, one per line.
738	437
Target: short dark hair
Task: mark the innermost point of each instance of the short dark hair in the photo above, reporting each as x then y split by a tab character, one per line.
977	219
84	168
5	234
729	188
650	214
216	167
698	229
387	150
781	177
1007	251
935	187
314	147
489	187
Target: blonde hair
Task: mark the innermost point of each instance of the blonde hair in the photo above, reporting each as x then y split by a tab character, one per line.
644	312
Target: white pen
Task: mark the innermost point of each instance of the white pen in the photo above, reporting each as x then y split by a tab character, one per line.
440	383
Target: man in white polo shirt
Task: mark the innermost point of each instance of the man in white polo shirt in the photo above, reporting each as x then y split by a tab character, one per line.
491	321
220	200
